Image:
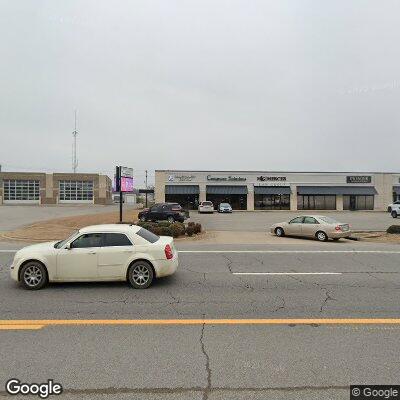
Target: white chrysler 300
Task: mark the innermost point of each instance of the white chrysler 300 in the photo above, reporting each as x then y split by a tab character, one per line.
98	253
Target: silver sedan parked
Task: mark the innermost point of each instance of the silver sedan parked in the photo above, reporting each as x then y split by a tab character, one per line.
318	226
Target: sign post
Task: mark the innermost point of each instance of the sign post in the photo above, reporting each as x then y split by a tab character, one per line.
123	183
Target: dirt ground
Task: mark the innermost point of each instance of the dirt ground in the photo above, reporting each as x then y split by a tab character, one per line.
381	237
60	228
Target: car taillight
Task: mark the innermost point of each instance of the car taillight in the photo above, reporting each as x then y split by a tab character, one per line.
338	227
168	252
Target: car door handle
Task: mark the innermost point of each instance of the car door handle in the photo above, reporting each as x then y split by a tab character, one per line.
92	252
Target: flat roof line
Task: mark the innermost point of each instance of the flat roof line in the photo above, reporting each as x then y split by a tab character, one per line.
278	172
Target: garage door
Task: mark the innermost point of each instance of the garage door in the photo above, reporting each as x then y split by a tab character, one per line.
18	191
76	191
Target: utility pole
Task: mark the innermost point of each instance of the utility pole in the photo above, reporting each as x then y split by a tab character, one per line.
146	188
74	159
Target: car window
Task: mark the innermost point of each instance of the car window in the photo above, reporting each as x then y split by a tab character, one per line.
297	220
147	235
156	207
310	220
87	240
115	239
206	203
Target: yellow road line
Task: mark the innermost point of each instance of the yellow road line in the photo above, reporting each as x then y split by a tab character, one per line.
38	324
7	327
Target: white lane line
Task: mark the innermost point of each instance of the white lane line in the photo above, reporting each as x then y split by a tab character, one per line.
287	273
291	251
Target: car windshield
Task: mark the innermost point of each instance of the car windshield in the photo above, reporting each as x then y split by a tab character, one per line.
207	203
328	220
147	235
62	243
224	205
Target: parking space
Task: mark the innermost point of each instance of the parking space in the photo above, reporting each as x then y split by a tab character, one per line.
261	221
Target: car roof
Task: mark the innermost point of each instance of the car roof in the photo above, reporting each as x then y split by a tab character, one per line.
126	228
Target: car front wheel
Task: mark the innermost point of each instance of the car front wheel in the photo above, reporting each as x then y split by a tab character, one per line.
322	236
279	232
394	214
33	275
140	275
143	218
171	219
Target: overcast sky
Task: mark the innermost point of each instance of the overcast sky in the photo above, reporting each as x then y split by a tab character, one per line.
226	85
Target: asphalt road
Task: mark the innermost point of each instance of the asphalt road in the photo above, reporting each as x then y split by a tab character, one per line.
209	360
259	221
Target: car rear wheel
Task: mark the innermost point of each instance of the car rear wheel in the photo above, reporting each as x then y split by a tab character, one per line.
394	214
33	275
279	232
140	275
321	236
171	219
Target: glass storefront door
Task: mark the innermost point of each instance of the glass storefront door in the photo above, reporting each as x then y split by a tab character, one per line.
271	201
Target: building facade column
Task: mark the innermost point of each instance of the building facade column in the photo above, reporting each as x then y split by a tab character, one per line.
203	192
293	198
159	187
339	202
250	197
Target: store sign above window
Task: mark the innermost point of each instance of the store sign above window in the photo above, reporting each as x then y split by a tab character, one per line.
359	179
271	178
181	178
229	178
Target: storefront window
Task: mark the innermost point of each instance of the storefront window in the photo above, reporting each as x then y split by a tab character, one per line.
271	201
186	201
358	202
316	202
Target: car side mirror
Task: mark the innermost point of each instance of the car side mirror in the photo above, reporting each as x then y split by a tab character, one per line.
68	246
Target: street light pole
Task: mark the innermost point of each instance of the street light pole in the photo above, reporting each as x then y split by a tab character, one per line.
146	188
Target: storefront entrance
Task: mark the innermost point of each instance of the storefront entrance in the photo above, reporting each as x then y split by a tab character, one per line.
358	202
236	196
272	197
186	195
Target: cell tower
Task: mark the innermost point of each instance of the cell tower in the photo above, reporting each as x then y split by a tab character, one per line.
74	159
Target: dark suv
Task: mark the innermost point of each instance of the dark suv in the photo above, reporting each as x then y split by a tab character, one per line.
170	212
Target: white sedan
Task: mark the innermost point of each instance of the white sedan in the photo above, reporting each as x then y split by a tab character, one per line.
98	253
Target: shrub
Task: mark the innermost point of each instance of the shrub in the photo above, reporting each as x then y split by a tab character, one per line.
177	229
197	228
165	231
393	229
164	223
191	223
189	231
157	230
147	225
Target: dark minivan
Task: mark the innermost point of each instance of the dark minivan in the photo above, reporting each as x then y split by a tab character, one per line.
170	212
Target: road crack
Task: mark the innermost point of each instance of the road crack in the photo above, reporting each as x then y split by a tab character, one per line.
207	389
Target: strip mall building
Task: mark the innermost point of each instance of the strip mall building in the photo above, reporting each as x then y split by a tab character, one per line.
261	190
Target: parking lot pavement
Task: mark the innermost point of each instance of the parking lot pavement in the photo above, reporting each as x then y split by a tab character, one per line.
15	216
261	221
205	359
